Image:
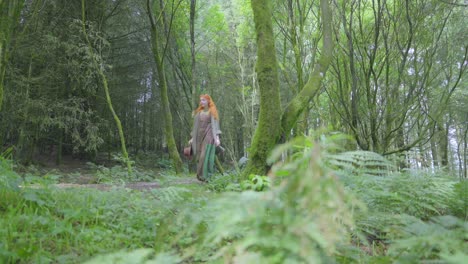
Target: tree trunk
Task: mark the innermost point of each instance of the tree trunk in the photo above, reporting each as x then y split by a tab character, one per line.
106	90
168	128
268	130
9	15
465	154
435	157
58	158
193	4
443	143
301	101
302	126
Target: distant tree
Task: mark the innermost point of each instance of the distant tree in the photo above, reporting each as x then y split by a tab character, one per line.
393	74
9	14
103	78
159	52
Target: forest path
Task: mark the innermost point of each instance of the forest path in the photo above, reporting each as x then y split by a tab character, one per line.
75	173
133	185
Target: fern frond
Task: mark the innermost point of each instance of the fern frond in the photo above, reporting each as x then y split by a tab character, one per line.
442	235
298	221
171	194
361	163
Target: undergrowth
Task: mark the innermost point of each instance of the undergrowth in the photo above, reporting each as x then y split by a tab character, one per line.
319	204
44	224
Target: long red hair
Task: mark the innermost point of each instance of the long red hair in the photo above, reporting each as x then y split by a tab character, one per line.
211	106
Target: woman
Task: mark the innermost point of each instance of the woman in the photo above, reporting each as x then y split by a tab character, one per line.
205	136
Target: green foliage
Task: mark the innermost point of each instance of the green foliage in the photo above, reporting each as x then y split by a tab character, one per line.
422	197
118	174
171	194
458	204
215	24
256	183
164	163
70	225
138	256
243	19
409	214
9	184
52	98
300	220
151	160
307	215
441	237
361	163
224	182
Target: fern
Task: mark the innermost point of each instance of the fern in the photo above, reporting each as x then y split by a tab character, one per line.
360	163
441	236
458	203
422	197
170	194
9	183
220	182
300	220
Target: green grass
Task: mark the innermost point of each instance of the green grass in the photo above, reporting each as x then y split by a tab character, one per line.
51	225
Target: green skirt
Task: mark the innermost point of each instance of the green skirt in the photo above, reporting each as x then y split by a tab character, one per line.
206	163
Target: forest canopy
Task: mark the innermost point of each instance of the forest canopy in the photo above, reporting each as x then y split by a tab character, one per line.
394	80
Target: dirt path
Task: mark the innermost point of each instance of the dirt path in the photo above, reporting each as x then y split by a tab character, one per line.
134	185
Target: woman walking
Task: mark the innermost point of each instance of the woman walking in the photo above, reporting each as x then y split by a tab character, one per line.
205	136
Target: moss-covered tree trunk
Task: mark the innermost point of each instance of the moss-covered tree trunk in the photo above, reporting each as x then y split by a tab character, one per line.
295	38
268	129
300	102
9	15
106	90
168	128
271	122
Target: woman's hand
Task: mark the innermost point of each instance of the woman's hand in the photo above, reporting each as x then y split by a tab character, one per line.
217	142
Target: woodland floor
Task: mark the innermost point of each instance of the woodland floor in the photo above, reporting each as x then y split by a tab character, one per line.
134	185
76	173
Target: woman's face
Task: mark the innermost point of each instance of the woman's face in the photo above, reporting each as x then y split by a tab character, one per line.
203	102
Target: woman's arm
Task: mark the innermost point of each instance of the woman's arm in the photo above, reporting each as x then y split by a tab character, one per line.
216	131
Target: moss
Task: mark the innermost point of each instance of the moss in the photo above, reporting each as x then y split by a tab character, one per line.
168	129
271	122
268	130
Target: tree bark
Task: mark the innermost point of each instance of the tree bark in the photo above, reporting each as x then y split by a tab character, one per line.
268	130
168	128
443	143
271	123
193	4
465	154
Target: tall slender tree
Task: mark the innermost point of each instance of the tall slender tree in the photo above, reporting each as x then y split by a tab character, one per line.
106	90
9	14
193	5
159	53
392	81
